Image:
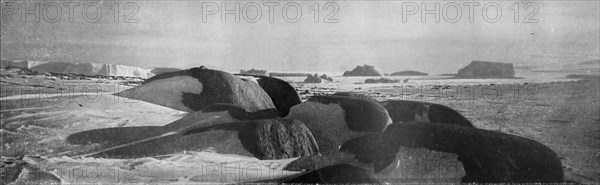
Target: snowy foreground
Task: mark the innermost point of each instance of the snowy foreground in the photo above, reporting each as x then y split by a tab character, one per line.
44	128
191	167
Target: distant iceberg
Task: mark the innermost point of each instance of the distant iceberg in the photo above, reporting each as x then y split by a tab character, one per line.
78	68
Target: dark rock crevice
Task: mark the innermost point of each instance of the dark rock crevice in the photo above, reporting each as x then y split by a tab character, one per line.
487	70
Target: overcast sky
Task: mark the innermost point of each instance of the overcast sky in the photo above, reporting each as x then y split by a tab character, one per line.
173	34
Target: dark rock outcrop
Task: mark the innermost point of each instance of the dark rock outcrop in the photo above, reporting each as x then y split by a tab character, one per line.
282	94
380	80
362	114
282	139
314	162
365	70
487	70
214	114
114	136
264	139
239	113
373	149
317	79
409	73
192	89
336	119
161	70
337	174
487	156
325	77
404	111
356	95
111	137
409	165
313	79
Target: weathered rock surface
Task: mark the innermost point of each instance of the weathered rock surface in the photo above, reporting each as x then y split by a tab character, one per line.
336	119
282	139
337	174
361	113
111	137
405	111
487	70
356	95
282	94
192	89
264	139
365	70
314	162
408	165
409	73
161	70
239	113
401	164
374	148
270	138
487	156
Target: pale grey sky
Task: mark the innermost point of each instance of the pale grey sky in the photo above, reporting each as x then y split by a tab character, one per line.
173	34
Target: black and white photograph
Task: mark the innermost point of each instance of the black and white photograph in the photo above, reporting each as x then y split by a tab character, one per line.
299	92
